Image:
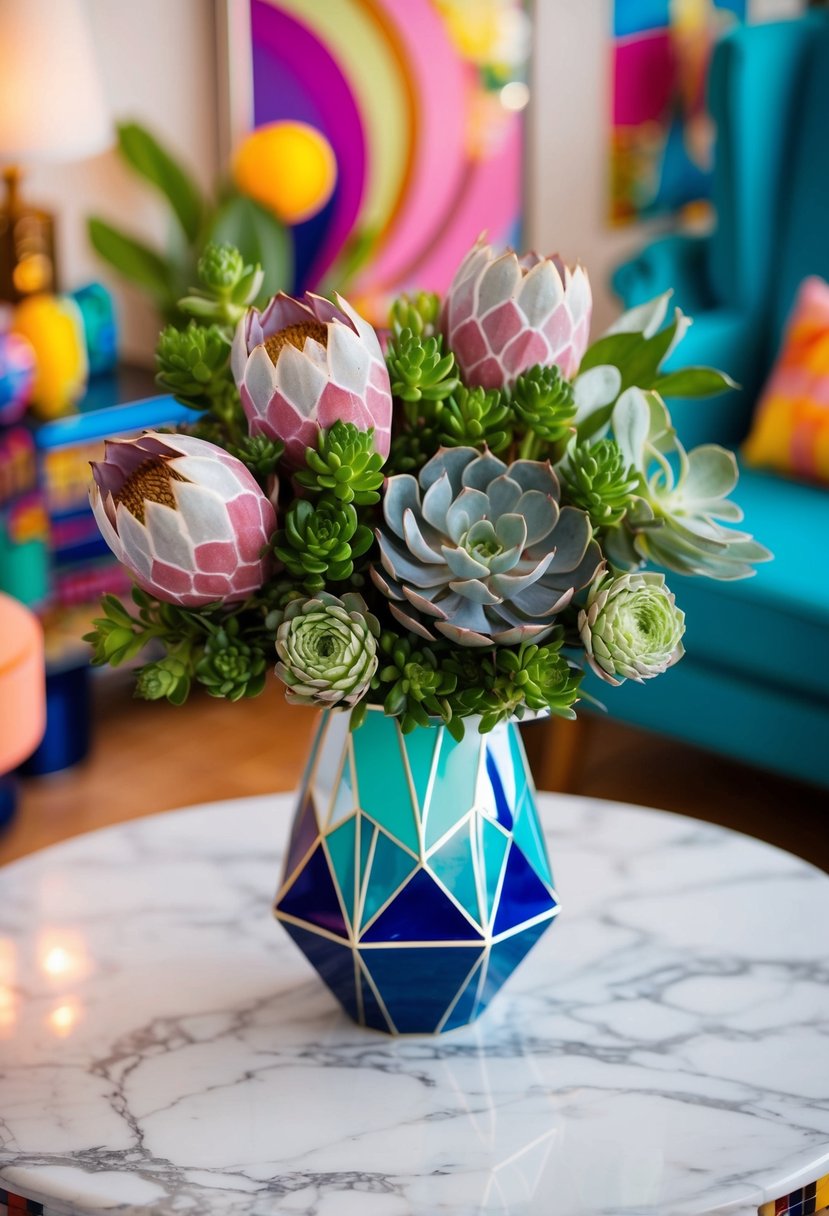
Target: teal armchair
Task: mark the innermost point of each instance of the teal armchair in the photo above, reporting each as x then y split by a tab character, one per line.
755	680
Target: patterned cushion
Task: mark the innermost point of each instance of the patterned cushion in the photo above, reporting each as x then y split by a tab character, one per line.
790	431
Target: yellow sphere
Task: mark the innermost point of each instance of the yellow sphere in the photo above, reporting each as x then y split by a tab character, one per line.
54	326
288	167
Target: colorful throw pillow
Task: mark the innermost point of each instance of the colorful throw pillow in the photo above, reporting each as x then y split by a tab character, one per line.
790	431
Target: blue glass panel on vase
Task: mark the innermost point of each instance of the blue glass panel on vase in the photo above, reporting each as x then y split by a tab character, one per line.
416	902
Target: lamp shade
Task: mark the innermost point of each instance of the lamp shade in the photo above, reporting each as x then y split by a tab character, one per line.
22	683
52	104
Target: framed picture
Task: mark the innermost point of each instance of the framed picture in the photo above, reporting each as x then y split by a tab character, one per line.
423	103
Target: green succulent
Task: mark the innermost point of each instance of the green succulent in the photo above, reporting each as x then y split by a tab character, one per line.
418	368
345	465
414	684
475	417
168	679
320	542
599	480
411	449
543	401
511	681
275	598
327	650
227	286
631	627
230	667
189	361
673	520
259	453
418	313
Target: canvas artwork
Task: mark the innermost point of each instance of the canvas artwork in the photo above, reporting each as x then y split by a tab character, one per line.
661	136
421	101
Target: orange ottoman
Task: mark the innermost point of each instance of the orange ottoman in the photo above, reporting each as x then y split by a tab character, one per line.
22	683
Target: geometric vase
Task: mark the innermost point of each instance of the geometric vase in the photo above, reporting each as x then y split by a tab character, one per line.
416	877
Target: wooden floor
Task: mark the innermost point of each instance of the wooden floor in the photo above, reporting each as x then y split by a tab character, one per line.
149	758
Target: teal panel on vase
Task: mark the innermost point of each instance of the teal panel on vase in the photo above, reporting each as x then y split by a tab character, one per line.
326	775
366	831
527	831
420	749
390	867
493	848
453	865
342	846
455	780
382	784
417	993
345	800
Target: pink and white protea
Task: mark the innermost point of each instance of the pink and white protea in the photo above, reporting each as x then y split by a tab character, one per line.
184	516
503	314
301	365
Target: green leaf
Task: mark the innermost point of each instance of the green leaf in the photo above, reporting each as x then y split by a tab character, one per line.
259	237
141	150
132	259
694	382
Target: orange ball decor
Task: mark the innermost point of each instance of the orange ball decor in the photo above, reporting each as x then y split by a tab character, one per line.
288	167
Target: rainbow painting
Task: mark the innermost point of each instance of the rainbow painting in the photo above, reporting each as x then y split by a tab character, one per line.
422	103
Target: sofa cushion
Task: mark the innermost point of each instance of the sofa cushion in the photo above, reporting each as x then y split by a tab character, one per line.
774	626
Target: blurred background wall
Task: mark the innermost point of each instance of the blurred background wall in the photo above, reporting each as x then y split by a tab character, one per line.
158	59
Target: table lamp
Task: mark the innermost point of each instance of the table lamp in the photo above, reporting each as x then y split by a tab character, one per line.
51	109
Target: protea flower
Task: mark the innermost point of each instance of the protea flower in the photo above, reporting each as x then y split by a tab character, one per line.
487	555
631	627
301	365
184	516
504	314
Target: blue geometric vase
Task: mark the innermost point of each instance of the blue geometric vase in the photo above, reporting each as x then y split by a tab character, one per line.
416	877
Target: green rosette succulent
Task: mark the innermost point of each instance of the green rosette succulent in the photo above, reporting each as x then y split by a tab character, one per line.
230	667
168	679
189	360
319	543
600	481
631	627
474	417
419	369
481	551
414	684
345	465
542	399
418	312
327	650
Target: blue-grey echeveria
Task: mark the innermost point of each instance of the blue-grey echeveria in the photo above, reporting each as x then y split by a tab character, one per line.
631	627
480	551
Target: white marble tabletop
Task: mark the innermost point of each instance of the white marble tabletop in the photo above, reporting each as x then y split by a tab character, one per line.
165	1048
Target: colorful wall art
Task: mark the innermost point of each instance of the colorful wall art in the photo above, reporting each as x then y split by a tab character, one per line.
661	136
422	103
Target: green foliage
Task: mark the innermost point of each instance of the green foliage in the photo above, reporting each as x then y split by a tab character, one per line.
598	479
418	313
227	286
418	368
543	401
473	417
345	467
190	362
412	682
229	666
410	449
319	543
169	679
166	274
511	680
259	453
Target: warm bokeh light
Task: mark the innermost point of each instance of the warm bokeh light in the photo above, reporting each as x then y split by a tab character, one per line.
8	995
58	961
63	1019
62	954
515	96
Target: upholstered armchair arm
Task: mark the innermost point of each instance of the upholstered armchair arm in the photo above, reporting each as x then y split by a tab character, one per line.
678	262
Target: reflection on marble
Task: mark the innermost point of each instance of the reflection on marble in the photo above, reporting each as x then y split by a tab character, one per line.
164	1047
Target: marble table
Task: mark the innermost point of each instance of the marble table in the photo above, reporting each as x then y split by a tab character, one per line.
164	1048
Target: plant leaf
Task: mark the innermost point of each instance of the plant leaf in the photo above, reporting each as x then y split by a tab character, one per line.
132	259
694	382
260	237
155	164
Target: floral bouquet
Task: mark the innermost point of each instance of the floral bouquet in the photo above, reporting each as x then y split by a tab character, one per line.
449	519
